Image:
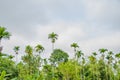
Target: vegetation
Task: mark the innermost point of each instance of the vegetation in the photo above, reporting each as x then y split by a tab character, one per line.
101	65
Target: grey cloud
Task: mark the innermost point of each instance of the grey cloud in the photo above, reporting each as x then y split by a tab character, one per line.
22	12
35	11
21	16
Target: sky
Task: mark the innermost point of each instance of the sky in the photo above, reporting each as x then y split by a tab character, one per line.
93	24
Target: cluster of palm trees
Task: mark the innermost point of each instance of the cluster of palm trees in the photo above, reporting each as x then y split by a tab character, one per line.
103	66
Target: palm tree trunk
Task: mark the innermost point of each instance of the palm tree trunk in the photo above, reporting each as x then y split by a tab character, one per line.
29	66
83	73
97	74
75	62
75	52
53	71
52	46
0	46
16	58
109	77
53	63
75	69
0	42
106	72
92	66
81	68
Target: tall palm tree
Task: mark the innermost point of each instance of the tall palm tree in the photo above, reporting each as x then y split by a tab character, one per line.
29	51
39	48
75	46
53	36
16	49
79	54
3	35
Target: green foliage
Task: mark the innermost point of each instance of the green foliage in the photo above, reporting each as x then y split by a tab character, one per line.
29	50
7	65
2	75
68	70
58	56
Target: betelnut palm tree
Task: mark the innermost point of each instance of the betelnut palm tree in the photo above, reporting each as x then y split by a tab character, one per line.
16	49
39	48
29	51
53	36
78	54
3	35
75	46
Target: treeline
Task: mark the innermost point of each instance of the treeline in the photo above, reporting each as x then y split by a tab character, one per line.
101	65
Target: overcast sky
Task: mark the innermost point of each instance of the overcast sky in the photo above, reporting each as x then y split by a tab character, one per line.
93	24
